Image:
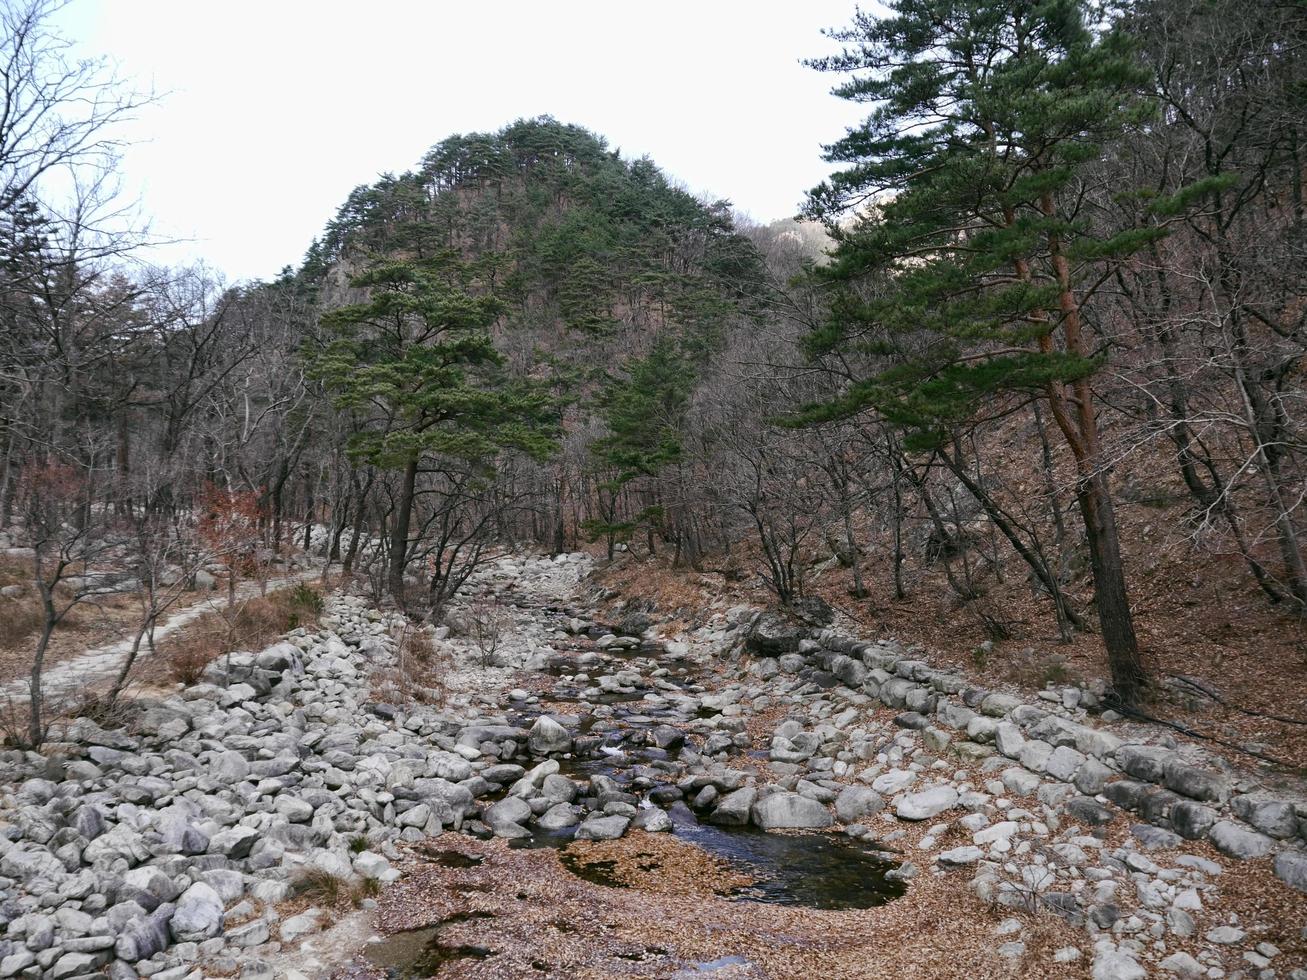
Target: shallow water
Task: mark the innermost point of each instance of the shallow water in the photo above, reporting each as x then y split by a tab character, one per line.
419	953
815	870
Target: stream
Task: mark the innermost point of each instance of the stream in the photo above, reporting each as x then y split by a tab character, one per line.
631	710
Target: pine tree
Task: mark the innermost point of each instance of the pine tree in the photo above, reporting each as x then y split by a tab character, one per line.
417	365
643	413
964	277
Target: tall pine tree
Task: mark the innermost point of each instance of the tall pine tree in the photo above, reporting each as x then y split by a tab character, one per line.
417	365
965	273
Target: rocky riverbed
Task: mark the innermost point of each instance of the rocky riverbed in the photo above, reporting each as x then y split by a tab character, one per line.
598	794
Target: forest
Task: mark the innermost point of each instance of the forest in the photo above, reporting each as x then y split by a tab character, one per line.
1054	279
1020	394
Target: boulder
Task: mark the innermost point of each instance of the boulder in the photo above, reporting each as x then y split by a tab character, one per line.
772	635
1192	820
1111	964
856	802
1196	783
733	808
198	915
959	856
1275	818
927	803
652	821
548	736
893	781
1291	868
790	811
144	937
603	828
1237	842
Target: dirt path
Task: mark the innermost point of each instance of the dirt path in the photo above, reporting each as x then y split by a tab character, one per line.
102	663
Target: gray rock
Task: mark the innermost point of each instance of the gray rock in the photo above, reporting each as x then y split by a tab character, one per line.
76	965
198	915
603	828
927	803
789	810
1231	839
856	802
1291	868
229	767
1192	820
1020	782
959	856
1199	784
1092	777
998	705
250	934
733	808
1154	838
772	635
891	782
1275	818
1008	739
1183	965
234	842
1035	755
293	809
300	925
652	820
548	736
1144	761
1064	763
1224	935
16	962
1113	964
415	816
1088	810
559	817
371	865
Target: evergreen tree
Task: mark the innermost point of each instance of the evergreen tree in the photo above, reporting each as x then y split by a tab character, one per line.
418	369
643	414
964	277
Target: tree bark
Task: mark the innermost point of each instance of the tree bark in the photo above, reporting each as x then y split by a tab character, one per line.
1093	492
399	531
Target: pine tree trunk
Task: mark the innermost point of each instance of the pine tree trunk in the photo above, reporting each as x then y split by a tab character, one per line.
356	529
399	532
1110	597
1093	492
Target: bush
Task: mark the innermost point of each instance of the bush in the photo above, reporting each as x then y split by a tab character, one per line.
319	887
251	625
187	661
305	605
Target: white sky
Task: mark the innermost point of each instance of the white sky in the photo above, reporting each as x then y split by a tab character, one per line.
276	109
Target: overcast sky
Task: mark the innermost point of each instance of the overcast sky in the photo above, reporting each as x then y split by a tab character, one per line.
272	111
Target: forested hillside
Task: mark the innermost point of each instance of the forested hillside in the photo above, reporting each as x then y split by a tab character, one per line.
1035	351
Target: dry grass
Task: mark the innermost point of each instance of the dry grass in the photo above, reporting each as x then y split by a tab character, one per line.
324	889
416	676
22	617
250	625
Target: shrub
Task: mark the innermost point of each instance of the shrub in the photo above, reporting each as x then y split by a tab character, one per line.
249	626
319	887
186	661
